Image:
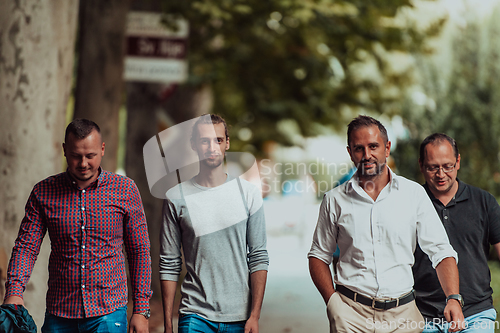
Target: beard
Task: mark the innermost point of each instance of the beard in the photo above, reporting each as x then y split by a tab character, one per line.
370	172
213	163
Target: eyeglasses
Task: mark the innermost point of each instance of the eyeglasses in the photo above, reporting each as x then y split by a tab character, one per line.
435	169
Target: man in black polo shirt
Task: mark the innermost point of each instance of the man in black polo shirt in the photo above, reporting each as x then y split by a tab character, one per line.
471	217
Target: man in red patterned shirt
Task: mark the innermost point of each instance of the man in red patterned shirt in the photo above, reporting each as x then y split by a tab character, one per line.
90	215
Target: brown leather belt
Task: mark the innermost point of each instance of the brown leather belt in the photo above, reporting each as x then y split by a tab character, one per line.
376	304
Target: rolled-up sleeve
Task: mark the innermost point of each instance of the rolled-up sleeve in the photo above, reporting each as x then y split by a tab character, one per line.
431	234
170	244
324	241
258	258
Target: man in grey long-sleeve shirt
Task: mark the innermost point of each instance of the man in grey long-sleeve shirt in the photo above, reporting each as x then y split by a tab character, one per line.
218	221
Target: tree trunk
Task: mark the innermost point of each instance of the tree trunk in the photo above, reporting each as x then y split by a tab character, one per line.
142	103
188	102
99	88
36	70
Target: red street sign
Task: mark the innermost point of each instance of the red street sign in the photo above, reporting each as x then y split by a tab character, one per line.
155	53
156	47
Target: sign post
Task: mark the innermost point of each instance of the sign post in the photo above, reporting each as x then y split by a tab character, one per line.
154	52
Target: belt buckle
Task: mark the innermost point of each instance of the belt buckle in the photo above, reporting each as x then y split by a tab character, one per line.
386	302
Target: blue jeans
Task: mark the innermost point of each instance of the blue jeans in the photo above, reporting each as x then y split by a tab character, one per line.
115	322
480	322
192	323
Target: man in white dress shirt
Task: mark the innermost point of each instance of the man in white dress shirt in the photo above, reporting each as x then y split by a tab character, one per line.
376	219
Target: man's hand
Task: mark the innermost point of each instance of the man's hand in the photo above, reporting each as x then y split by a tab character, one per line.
14	300
252	325
453	314
138	324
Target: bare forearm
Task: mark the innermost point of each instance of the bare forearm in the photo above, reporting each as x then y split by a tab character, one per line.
168	289
447	273
322	277
258	284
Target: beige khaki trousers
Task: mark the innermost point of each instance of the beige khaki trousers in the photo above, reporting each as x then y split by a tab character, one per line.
345	315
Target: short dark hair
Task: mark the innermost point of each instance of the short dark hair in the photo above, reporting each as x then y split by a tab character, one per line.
365	121
214	119
436	139
81	128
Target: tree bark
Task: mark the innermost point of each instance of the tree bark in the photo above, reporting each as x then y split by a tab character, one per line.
99	88
36	70
142	103
188	102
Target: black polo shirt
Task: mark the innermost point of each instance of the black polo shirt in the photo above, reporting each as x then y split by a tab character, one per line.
472	221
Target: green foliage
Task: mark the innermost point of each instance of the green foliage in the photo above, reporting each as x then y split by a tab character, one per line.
466	108
274	60
495	285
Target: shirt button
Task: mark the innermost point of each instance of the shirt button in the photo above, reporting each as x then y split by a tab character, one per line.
83	266
83	191
83	227
83	286
446	217
83	246
83	208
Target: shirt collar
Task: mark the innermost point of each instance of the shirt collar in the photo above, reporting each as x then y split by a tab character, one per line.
461	195
462	192
98	182
354	181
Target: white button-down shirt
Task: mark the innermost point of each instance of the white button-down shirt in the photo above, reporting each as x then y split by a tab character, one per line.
377	238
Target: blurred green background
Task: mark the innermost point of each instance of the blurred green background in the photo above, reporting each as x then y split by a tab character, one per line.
288	75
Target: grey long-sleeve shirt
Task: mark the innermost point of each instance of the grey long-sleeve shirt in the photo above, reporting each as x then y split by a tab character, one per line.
222	233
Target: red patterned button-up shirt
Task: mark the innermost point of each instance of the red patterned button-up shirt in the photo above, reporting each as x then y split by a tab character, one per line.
87	228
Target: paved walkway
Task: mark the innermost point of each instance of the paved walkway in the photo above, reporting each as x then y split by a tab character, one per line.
292	302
